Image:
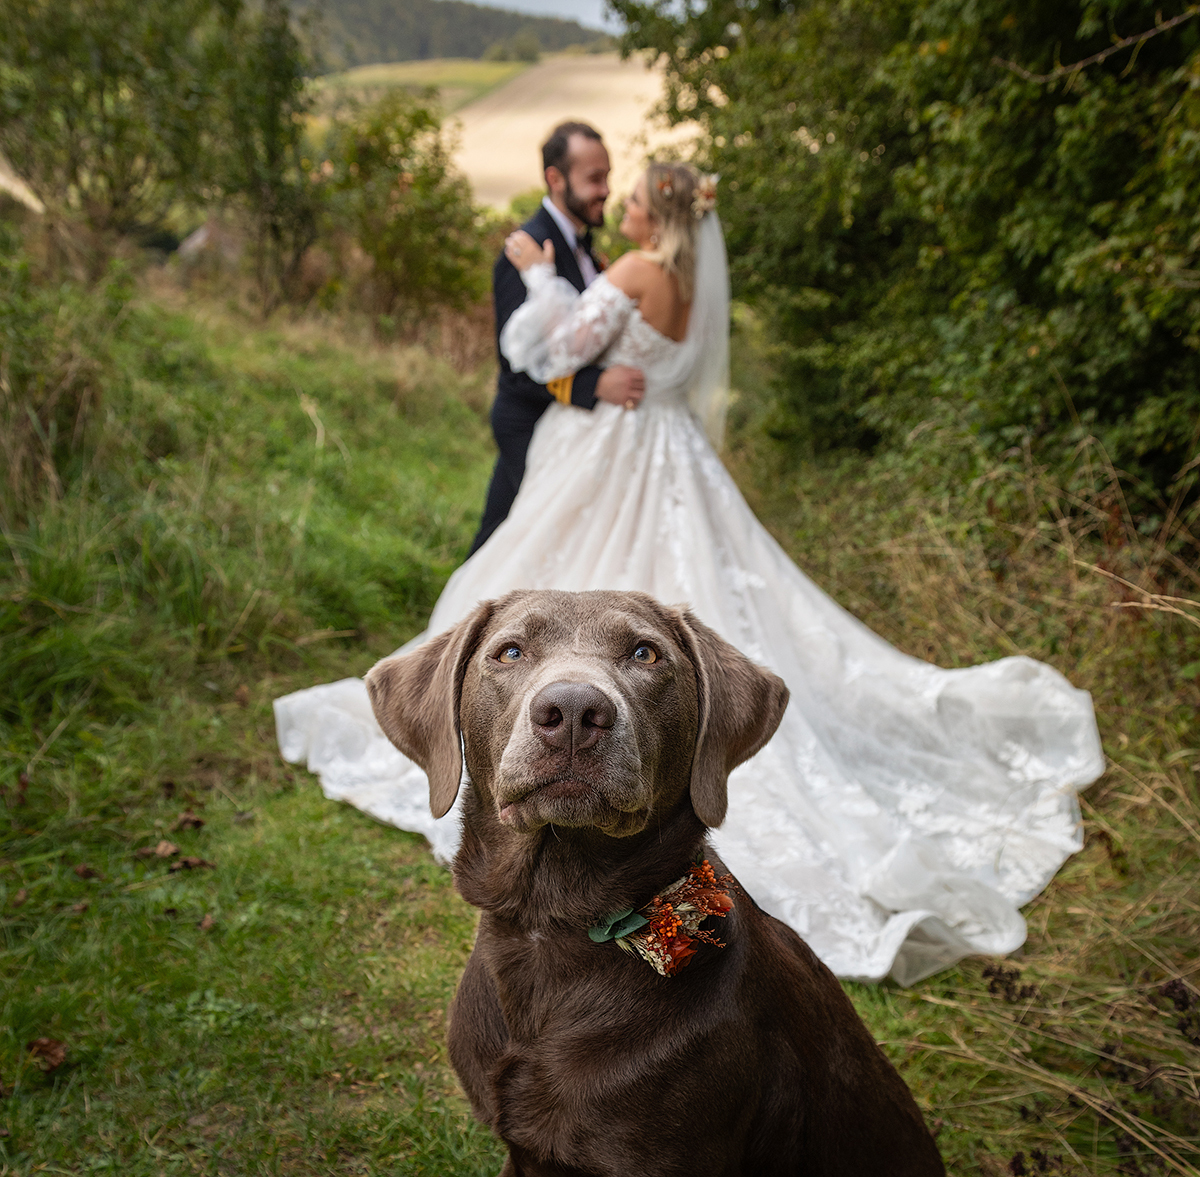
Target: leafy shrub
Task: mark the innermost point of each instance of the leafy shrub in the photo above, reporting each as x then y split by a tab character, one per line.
394	188
121	113
938	238
105	103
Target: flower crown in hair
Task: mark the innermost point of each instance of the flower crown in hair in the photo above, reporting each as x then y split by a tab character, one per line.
705	199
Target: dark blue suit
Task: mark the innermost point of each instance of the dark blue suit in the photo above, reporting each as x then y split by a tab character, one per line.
520	400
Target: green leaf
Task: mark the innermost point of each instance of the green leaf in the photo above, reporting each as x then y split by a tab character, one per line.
620	923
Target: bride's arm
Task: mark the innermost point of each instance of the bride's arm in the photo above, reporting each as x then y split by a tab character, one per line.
556	330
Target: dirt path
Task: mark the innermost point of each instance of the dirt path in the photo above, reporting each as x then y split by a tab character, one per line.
503	132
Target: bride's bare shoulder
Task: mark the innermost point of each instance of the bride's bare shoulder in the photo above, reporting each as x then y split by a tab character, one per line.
634	273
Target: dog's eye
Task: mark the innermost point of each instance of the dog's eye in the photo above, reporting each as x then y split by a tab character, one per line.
509	654
645	655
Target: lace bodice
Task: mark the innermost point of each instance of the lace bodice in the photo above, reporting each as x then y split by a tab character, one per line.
557	331
639	345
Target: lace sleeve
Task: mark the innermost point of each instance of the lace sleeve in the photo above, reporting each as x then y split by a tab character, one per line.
556	330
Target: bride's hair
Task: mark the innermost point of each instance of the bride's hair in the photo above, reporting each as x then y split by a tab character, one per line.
671	189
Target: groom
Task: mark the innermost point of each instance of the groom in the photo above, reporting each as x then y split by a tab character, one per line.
576	166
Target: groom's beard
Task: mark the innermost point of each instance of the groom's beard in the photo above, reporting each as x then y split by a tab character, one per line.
590	214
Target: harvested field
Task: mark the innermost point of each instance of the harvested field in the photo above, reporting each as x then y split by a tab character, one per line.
502	132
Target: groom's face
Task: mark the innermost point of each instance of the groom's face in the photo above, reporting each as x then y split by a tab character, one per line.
584	187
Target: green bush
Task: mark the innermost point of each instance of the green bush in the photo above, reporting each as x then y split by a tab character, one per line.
105	103
122	114
259	66
394	188
939	240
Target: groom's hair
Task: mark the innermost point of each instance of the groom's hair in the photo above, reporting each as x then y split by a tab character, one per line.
556	149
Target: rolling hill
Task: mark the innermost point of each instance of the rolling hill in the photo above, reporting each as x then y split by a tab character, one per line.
359	32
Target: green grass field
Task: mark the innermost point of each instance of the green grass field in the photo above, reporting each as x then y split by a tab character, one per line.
277	506
458	80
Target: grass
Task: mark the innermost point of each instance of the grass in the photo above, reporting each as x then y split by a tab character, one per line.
458	80
264	508
1083	1054
269	507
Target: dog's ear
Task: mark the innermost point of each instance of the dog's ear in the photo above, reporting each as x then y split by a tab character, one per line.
416	701
740	707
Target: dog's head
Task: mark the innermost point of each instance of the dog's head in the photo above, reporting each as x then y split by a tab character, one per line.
592	709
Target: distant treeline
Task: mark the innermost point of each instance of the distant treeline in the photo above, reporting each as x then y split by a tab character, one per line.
360	32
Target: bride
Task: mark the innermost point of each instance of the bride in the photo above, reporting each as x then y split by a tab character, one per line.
902	813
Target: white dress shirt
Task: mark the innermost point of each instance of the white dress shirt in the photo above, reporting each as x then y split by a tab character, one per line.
586	266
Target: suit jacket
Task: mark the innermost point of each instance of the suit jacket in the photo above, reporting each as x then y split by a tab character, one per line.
520	400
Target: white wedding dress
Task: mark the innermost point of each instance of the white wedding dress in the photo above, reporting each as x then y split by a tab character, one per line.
902	813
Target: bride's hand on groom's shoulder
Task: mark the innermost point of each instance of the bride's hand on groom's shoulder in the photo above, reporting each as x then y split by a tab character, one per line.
523	251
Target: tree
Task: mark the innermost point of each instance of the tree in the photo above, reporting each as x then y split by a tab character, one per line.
395	187
103	104
259	66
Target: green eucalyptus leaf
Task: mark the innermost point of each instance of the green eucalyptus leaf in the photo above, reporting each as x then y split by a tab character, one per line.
620	923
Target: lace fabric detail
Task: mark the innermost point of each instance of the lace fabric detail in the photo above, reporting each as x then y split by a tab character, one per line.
640	346
556	330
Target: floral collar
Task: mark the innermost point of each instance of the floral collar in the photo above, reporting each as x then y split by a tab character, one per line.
665	931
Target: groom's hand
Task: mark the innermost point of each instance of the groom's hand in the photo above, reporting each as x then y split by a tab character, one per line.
623	386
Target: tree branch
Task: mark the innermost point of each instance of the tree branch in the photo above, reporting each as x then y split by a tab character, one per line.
1096	58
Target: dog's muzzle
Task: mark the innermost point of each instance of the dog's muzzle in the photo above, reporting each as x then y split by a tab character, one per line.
574	763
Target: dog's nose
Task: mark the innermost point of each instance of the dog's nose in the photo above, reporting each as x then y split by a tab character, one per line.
571	716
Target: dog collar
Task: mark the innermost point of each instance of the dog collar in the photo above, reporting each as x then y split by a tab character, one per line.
666	930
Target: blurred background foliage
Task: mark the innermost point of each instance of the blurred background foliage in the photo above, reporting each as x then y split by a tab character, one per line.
963	245
394	187
152	124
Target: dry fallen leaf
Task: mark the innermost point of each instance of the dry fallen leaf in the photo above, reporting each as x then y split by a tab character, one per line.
48	1053
80	907
86	872
189	863
242	695
19	898
165	849
207	922
187	820
144	852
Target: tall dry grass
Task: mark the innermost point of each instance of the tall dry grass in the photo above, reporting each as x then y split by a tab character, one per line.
1082	1055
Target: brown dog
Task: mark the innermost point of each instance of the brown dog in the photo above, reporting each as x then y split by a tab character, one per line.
599	730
